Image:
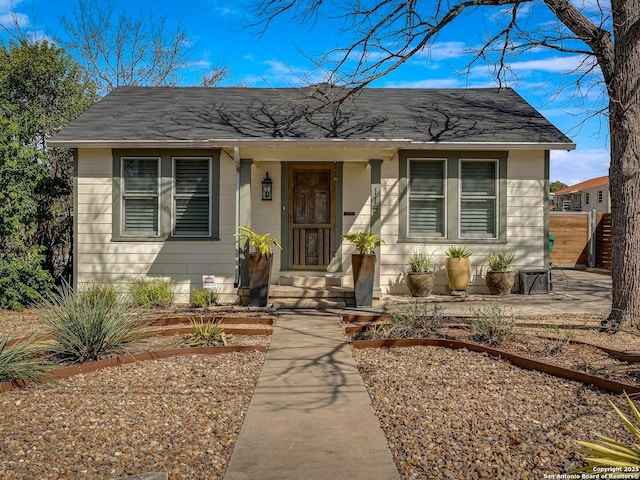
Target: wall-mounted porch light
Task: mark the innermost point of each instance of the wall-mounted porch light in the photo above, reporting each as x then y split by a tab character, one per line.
267	187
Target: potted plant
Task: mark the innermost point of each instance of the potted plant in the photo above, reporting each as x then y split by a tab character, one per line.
420	274
500	277
259	262
363	265
458	268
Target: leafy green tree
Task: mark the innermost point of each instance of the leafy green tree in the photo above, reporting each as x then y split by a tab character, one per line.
41	90
557	185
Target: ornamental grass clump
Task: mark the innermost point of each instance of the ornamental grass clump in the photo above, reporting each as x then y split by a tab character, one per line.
156	291
420	262
206	334
87	327
490	325
609	456
23	361
416	320
205	297
500	261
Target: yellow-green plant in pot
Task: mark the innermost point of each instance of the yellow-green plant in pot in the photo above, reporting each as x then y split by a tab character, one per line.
458	268
420	275
363	265
259	263
500	277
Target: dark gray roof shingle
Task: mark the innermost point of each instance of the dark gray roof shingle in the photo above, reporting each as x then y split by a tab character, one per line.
419	115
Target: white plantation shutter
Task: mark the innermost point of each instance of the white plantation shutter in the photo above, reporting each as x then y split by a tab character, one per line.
426	198
192	196
140	196
478	199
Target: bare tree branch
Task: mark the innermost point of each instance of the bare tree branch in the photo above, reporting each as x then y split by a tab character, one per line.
124	50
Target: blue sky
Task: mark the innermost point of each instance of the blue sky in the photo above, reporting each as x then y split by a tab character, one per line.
282	57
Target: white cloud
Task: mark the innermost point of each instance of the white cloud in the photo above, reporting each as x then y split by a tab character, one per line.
579	165
554	64
444	51
592	5
8	5
10	19
223	8
277	73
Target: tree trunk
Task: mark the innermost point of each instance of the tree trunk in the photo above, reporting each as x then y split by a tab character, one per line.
624	171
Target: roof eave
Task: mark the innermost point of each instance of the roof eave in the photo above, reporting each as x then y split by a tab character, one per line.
283	142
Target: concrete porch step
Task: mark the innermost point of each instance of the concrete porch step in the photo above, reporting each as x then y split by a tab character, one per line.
280	291
310	303
310	280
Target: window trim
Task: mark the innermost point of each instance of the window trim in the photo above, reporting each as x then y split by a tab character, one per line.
444	197
495	197
174	195
123	194
453	186
600	196
586	198
166	192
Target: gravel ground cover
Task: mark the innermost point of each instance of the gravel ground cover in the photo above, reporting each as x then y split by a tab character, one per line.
181	415
462	415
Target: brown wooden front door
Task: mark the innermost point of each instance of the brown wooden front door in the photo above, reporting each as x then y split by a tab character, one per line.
311	216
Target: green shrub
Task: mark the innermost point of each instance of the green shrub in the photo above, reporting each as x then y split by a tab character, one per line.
206	334
23	280
101	291
89	327
608	452
416	320
23	361
490	325
204	297
152	292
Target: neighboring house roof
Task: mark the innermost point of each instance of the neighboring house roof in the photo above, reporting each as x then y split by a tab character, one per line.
198	116
586	185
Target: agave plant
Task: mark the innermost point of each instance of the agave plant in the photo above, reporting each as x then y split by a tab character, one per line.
206	334
609	453
458	252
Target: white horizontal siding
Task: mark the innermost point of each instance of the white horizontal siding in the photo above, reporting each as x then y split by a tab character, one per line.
102	259
525	227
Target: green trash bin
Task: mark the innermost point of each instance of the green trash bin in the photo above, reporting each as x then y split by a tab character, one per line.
552	239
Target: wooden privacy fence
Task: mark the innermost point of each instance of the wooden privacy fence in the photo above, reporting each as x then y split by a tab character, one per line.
582	239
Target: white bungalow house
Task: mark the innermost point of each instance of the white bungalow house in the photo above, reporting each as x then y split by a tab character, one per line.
164	176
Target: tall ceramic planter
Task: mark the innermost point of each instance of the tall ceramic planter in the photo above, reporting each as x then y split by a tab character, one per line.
364	268
500	283
259	279
420	284
458	273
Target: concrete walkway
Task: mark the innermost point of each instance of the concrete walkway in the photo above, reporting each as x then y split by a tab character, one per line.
310	416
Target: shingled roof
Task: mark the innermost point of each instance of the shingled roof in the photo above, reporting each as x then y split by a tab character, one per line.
194	115
586	185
